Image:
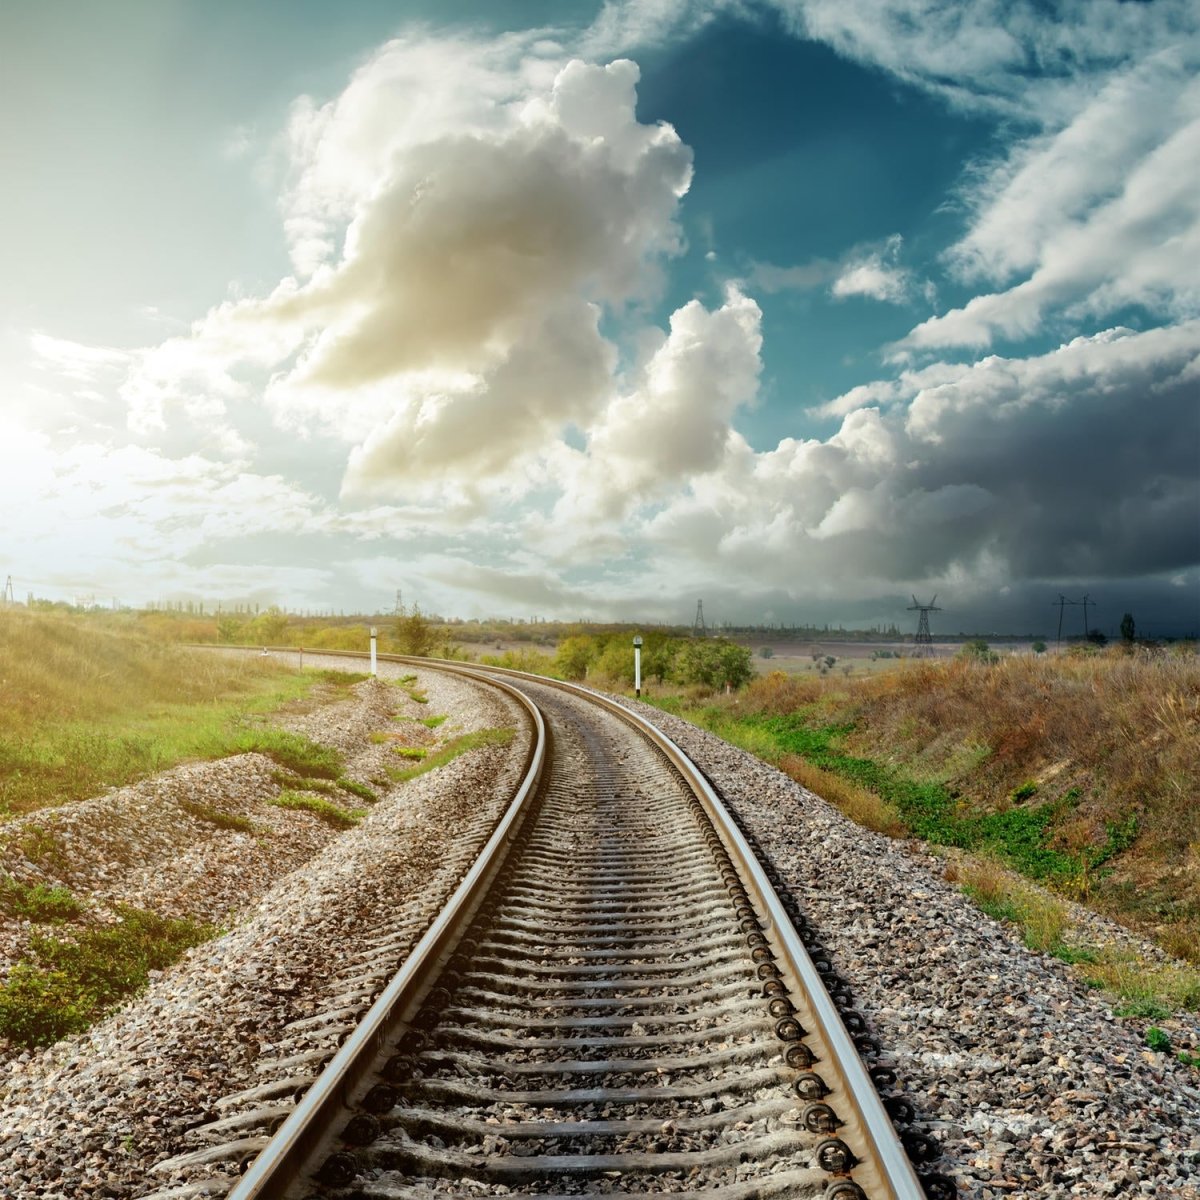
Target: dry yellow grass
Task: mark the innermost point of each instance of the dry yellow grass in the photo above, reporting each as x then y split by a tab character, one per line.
1140	986
1110	741
860	805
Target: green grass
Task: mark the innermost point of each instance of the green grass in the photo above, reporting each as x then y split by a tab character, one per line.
357	789
64	985
433	722
417	753
37	902
408	683
326	810
292	751
218	818
502	736
56	761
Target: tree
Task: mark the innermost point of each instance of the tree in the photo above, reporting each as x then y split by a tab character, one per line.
1097	637
714	663
574	655
1039	647
1127	629
229	629
414	634
270	627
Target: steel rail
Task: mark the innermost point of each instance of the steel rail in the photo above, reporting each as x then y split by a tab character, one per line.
896	1178
300	1136
883	1168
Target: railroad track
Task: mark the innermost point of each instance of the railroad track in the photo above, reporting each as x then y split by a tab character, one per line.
615	1001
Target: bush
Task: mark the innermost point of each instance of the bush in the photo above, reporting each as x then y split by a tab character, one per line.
37	902
977	650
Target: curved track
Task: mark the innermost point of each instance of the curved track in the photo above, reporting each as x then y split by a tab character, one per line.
615	1002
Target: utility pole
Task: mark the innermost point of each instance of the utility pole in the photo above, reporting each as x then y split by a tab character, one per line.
1085	602
1062	601
698	627
9	598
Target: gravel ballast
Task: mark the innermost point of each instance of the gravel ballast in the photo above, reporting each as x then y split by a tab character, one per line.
94	1114
1020	1073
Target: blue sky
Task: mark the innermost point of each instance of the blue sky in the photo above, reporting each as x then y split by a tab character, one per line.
595	309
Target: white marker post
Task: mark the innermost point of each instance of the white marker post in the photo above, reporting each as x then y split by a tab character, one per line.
374	633
637	665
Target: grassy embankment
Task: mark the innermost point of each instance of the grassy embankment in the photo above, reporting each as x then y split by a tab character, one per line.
1077	774
88	706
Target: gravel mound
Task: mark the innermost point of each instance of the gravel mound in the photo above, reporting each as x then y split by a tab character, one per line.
94	1114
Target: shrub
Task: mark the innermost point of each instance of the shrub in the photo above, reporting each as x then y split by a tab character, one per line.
977	650
37	902
414	634
573	657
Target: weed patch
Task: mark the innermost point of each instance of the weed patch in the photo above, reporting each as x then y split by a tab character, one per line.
433	722
63	986
217	818
325	810
357	789
408	683
1158	1039
417	753
860	805
501	736
292	751
339	679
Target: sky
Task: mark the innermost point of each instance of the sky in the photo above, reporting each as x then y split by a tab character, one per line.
581	309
